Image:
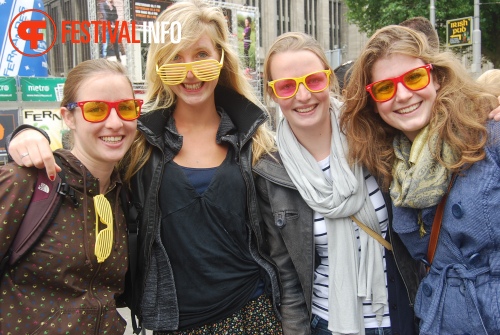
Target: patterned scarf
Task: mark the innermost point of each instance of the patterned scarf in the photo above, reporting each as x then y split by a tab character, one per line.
419	180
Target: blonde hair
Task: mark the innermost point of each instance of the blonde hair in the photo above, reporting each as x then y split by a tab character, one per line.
458	113
196	18
295	41
490	80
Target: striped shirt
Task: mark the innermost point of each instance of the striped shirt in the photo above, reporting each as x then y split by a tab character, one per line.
320	289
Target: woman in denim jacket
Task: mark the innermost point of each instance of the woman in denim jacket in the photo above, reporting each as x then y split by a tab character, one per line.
306	210
417	117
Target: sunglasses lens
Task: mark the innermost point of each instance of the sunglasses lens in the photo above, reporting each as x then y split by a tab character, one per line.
416	79
206	70
129	109
172	74
285	88
384	90
314	82
317	81
95	111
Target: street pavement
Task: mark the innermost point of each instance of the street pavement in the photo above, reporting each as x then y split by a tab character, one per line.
125	313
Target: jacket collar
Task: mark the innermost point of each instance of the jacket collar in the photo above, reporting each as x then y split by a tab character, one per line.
79	177
271	167
244	114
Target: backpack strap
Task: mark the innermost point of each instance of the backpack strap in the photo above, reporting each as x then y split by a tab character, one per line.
131	216
43	208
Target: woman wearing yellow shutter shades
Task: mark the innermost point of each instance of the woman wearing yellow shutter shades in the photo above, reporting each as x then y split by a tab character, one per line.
190	171
68	281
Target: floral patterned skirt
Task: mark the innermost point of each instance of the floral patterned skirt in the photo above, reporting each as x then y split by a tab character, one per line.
257	317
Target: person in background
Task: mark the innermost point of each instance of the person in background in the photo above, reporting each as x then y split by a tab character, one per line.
342	73
200	270
103	33
64	284
423	25
109	13
336	278
490	80
418	119
247	31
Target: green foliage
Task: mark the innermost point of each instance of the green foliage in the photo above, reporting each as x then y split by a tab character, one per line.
370	15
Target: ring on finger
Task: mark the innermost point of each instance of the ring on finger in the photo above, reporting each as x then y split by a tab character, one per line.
25	154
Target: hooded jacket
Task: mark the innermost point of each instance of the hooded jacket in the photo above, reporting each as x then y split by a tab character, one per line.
58	287
154	294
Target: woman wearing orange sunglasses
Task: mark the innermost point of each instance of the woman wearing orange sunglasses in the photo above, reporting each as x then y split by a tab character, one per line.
68	281
333	273
417	118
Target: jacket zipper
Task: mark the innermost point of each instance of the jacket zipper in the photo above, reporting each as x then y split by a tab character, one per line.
99	310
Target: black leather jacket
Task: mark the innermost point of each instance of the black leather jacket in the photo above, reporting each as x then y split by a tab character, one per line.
289	239
155	299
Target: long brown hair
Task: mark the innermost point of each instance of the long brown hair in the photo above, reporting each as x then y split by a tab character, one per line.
458	115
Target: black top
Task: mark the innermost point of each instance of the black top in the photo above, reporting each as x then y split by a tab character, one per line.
206	238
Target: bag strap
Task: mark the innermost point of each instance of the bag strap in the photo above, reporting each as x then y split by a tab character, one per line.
372	233
131	216
42	210
436	224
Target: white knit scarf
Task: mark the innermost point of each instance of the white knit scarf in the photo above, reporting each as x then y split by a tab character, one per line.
351	280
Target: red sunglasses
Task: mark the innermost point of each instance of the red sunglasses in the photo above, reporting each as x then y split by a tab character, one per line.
416	79
98	111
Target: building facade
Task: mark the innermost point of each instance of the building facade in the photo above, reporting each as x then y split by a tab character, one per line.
323	19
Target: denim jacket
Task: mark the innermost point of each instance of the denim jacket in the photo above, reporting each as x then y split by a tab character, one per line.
461	292
155	299
287	223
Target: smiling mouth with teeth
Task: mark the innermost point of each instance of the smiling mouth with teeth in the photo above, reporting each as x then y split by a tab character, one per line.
408	109
304	110
112	139
193	86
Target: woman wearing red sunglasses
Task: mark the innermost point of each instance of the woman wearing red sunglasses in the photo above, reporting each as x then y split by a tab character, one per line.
68	281
200	270
417	118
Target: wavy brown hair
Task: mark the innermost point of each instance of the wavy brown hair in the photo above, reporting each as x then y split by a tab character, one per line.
196	18
458	115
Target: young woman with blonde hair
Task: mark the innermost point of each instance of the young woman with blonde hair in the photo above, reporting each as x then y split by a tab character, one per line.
190	173
336	278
